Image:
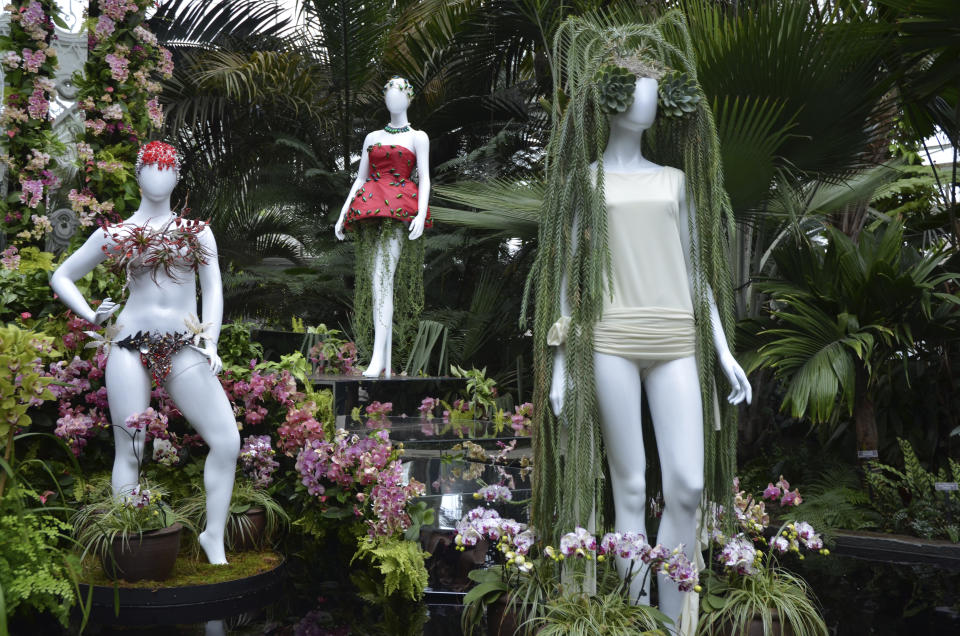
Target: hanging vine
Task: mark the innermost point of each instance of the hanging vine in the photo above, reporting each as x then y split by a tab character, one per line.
371	242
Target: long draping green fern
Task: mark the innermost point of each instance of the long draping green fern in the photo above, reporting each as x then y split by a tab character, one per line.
567	482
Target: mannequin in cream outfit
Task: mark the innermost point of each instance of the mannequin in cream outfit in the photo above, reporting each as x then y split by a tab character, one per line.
645	340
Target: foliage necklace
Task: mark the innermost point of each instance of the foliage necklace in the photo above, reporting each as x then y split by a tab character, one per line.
396	130
567	485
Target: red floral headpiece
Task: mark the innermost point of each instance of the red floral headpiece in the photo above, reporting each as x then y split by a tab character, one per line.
159	154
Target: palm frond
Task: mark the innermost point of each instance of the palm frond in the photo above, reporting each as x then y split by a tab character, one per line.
508	208
182	24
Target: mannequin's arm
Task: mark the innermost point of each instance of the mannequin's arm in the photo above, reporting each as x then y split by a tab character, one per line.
559	379
362	173
741	389
78	265
421	143
211	290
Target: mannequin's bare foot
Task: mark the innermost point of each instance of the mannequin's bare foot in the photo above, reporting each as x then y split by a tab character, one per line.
212	548
373	371
376	365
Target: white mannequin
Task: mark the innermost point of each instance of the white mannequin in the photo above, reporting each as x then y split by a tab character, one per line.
164	306
673	392
397	102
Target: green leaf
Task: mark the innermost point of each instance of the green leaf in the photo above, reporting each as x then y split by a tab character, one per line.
487	592
55	16
337	513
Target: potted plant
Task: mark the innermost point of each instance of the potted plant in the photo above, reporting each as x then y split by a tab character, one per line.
136	535
255	516
329	352
523	593
747	592
610	613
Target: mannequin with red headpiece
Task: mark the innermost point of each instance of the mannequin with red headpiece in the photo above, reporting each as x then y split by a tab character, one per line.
157	339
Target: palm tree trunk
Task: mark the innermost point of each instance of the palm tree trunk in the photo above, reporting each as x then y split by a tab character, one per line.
864	414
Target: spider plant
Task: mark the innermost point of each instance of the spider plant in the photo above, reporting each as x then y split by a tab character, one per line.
733	604
106	518
240	527
611	613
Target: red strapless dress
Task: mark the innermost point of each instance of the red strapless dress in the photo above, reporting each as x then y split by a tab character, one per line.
388	192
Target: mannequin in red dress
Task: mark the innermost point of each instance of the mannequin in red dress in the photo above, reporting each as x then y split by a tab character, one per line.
383	190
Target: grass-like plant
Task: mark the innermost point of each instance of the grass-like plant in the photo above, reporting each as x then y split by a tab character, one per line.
106	518
586	615
732	607
246	496
746	582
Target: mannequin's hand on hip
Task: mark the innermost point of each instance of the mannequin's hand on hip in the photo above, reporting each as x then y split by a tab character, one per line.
741	389
338	229
209	350
557	384
104	311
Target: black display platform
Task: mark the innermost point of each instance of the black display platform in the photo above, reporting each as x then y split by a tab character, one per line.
896	548
185	604
403	390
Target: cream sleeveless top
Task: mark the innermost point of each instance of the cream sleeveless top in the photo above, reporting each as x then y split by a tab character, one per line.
650	315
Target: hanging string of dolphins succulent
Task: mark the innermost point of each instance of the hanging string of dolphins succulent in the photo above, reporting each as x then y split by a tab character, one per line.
596	63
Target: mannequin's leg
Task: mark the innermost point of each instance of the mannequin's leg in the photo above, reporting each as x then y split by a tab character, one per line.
200	397
384	268
128	392
673	392
618	395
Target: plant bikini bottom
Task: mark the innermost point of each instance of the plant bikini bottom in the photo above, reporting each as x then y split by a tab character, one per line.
156	350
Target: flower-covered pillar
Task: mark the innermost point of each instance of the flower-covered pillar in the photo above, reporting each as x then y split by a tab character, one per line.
117	94
29	144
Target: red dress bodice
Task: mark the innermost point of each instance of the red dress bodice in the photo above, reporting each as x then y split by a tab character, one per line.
388	191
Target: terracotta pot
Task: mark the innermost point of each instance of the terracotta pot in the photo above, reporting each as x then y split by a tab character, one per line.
501	619
149	557
249	533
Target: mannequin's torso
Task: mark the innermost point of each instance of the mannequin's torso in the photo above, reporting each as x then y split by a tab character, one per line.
157	300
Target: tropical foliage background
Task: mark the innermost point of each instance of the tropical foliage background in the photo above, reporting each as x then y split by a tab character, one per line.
823	111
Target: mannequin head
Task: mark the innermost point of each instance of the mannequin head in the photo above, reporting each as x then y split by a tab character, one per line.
397	94
641	114
156	184
157	169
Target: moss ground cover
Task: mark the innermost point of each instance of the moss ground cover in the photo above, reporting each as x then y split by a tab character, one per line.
190	570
